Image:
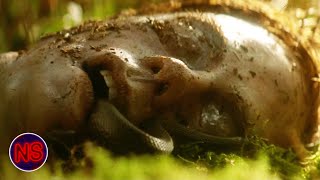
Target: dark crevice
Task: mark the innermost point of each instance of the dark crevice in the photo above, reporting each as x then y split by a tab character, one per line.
161	89
100	87
155	69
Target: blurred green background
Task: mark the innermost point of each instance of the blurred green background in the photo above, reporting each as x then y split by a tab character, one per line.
22	22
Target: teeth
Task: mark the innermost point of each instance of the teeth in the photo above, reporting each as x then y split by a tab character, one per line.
110	83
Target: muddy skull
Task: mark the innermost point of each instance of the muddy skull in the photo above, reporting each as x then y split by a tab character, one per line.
212	73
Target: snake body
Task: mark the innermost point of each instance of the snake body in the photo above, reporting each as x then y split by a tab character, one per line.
109	123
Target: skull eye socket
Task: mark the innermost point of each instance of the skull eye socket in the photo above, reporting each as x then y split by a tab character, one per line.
223	116
220	119
216	116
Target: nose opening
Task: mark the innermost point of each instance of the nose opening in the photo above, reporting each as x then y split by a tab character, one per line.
155	64
161	89
156	68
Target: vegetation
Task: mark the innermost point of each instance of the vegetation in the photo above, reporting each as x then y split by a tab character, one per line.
255	159
24	22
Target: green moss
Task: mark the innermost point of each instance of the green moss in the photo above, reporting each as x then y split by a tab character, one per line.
146	167
281	161
254	160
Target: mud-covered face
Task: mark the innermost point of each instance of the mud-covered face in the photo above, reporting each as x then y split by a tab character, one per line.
219	74
214	72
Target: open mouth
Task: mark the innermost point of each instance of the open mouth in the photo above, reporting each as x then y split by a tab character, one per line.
214	123
113	129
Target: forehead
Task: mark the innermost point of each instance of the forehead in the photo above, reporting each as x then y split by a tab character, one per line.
215	32
200	40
